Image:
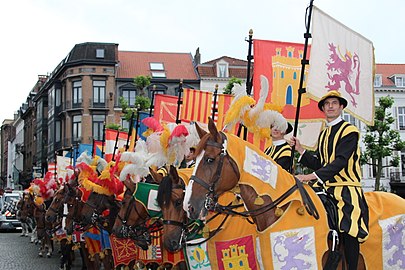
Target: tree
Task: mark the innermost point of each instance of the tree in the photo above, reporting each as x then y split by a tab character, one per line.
381	141
140	83
230	85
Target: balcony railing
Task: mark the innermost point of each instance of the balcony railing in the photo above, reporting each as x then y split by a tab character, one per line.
98	104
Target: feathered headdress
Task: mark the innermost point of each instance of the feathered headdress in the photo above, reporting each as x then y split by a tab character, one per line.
257	117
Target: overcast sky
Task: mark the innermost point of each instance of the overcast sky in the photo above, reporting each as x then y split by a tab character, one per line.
37	34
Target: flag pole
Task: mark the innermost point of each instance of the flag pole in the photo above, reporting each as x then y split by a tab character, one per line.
301	89
248	79
115	145
152	101
179	102
138	110
103	142
92	147
214	106
131	126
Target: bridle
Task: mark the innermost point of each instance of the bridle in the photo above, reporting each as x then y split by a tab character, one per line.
211	200
139	231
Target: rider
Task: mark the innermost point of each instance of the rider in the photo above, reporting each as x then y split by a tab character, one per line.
280	151
336	165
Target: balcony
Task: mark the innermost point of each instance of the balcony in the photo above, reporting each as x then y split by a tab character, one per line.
101	105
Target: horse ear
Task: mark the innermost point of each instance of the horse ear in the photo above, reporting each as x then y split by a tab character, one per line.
155	175
201	132
213	129
174	174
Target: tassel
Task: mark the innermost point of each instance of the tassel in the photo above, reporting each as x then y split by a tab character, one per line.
259	201
236	189
278	212
205	232
301	210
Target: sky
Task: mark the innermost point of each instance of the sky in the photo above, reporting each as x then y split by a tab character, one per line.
37	34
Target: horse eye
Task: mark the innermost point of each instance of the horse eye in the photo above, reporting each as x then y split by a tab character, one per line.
210	160
178	203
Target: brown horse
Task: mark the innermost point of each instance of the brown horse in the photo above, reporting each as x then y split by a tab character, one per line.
56	215
276	201
170	199
43	229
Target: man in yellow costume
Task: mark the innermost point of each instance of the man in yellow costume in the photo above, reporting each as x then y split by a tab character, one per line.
280	150
336	166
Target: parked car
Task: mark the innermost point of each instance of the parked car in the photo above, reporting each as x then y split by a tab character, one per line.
8	204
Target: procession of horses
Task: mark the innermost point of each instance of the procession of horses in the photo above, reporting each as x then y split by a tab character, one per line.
236	209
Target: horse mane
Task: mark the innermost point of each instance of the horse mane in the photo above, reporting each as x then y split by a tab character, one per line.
164	191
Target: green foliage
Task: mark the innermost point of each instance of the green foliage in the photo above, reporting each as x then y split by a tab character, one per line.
141	102
113	126
381	141
230	85
140	83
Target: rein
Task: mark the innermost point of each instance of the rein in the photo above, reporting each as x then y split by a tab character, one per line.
211	201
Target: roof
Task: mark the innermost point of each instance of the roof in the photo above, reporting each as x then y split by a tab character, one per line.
236	67
388	70
176	65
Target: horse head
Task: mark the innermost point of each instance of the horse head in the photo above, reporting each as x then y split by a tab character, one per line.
170	199
56	207
94	211
132	217
207	182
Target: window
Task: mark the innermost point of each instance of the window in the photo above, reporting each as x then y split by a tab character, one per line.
350	119
129	95
51	102
156	66
98	92
100	53
401	118
77	92
98	124
290	54
377	80
77	128
282	74
124	124
295	75
58	131
156	74
222	70
399	81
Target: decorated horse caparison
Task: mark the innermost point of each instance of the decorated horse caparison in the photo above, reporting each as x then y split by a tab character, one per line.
291	220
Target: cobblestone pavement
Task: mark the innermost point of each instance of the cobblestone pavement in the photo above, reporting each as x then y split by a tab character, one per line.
17	253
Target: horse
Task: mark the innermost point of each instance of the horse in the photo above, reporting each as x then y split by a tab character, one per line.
100	211
27	222
43	229
140	218
73	225
26	214
291	231
56	215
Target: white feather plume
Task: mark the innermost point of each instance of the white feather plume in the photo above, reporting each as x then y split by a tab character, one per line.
269	118
264	91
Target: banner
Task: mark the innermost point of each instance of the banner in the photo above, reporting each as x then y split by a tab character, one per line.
197	106
110	138
97	148
280	62
222	105
165	108
124	250
344	61
61	163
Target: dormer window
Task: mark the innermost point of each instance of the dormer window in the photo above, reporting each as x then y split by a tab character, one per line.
156	66
100	53
157	70
222	69
399	81
377	80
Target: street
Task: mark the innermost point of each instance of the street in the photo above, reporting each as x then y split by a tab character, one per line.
18	253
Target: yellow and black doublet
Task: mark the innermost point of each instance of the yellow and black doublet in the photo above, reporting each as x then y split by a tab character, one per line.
280	152
337	165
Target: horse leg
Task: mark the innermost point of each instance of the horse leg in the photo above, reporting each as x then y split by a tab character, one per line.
49	245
